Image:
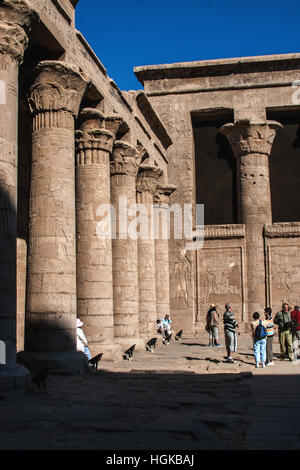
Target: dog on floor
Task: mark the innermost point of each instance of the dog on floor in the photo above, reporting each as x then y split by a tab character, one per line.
40	378
128	354
179	335
95	360
166	340
150	346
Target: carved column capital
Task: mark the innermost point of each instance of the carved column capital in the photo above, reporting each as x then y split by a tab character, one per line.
163	193
57	87
16	18
125	159
113	123
147	179
91	136
246	138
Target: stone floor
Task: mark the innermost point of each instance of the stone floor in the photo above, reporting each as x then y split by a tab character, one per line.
181	397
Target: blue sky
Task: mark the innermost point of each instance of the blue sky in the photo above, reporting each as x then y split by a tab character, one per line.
126	33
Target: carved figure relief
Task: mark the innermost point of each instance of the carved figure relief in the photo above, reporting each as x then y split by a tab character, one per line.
182	276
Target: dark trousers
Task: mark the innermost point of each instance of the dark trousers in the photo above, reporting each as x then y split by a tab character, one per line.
270	348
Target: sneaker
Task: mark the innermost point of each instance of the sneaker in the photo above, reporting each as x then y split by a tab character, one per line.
257	365
229	359
263	364
270	363
211	345
218	345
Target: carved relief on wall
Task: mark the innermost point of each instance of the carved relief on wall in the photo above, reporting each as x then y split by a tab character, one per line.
181	278
284	275
220	274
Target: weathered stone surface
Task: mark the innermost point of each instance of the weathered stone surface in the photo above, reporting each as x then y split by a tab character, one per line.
54	101
147	181
94	253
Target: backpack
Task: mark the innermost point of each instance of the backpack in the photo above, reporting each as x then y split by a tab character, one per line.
260	332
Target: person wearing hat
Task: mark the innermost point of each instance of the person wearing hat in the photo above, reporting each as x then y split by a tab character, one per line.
295	317
212	325
82	343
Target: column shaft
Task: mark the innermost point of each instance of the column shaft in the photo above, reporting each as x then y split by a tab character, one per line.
162	274
146	185
124	167
15	21
51	287
251	144
94	252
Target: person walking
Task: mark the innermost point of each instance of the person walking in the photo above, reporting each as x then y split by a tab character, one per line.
259	336
283	320
230	325
295	317
212	326
270	336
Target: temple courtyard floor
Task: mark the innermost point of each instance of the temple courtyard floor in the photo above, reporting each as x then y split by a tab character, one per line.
183	396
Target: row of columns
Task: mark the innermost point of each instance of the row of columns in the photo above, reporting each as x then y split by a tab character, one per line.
111	284
71	271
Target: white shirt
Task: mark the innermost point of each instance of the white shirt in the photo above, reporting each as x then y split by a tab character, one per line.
81	340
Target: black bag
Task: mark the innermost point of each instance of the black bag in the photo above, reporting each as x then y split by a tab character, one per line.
287	326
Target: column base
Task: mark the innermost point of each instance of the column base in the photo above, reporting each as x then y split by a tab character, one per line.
127	342
69	363
14	377
112	352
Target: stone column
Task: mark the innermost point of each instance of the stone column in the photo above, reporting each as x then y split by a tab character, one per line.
251	144
94	252
50	330
146	186
15	20
124	167
162	275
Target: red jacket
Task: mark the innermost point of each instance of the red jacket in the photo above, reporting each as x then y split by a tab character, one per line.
295	316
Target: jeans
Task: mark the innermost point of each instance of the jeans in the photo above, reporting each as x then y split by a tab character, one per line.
259	348
87	352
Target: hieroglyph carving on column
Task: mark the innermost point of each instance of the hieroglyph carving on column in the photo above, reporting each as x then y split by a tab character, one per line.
124	167
162	276
94	253
54	101
147	180
16	18
251	144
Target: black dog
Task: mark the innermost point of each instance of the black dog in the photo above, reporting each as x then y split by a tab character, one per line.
94	361
129	353
151	343
166	340
178	336
40	378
